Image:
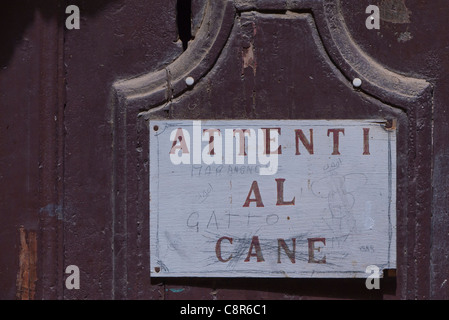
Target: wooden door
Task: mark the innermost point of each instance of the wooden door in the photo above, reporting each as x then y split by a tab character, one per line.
75	129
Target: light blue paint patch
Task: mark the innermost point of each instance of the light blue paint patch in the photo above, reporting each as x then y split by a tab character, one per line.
177	290
53	210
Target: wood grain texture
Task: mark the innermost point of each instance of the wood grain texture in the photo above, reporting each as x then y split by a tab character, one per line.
75	132
257	77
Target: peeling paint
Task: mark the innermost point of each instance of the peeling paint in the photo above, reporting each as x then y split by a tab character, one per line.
27	275
177	290
249	58
52	210
405	36
394	11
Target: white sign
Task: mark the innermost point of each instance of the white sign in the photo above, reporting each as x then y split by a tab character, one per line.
272	198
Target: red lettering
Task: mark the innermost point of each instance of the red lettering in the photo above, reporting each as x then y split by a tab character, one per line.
211	133
290	253
308	144
182	143
266	132
241	133
280	194
366	142
255	244
336	136
257	199
218	249
312	250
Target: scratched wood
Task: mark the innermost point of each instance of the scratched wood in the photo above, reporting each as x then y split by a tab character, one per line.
302	198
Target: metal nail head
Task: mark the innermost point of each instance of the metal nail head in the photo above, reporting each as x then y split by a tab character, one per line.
357	82
190	81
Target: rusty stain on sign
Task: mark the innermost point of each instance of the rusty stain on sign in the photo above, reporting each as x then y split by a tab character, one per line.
272	198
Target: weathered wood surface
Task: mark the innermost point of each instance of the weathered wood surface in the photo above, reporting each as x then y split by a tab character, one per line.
75	165
311	198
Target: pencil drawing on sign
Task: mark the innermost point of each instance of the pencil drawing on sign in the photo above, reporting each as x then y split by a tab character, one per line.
340	192
258	198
